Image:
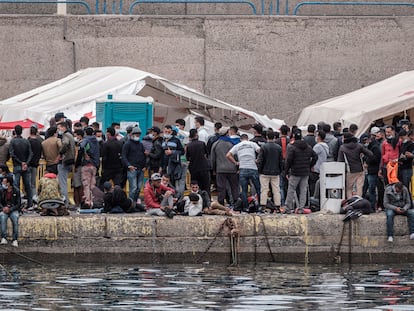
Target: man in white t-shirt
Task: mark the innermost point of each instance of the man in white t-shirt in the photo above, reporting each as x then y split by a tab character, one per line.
246	161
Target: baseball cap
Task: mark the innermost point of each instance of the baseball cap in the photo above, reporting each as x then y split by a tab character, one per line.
156	176
375	130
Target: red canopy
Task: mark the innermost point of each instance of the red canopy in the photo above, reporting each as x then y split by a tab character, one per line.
27	123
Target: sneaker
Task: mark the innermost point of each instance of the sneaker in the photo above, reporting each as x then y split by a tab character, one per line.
391	239
3	241
412	236
15	244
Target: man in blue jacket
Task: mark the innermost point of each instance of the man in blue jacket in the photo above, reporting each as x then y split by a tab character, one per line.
133	156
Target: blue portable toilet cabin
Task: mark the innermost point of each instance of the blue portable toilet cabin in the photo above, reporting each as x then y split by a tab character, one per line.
126	110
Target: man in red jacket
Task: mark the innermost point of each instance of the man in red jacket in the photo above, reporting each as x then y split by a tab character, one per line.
158	198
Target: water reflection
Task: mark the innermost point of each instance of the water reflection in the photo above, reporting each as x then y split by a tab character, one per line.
205	287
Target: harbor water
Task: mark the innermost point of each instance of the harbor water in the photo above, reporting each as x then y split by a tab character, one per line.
265	286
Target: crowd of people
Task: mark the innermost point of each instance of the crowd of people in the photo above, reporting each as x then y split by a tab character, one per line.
276	171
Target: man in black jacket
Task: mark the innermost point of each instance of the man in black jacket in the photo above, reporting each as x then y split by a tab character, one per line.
196	154
373	164
299	160
111	158
21	154
270	165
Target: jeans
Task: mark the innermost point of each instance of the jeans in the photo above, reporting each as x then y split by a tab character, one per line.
244	177
390	221
17	170
63	172
135	180
372	187
180	184
33	175
405	175
283	186
227	183
14	217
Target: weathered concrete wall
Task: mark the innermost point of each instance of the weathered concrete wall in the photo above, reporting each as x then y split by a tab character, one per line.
275	65
143	239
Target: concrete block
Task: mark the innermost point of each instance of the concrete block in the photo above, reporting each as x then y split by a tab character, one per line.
42	228
182	227
80	226
129	226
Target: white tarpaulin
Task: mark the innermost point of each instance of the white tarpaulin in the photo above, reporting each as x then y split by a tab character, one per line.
76	94
380	100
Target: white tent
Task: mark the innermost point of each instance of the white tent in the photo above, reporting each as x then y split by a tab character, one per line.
76	95
380	100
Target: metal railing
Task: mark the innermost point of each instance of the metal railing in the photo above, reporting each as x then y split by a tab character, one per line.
133	4
274	7
78	2
301	4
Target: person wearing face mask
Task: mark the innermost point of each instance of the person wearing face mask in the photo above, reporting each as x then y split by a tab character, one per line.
134	158
173	149
390	151
10	207
117	127
405	160
372	166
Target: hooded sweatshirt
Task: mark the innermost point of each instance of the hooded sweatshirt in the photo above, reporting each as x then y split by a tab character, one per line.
353	151
332	143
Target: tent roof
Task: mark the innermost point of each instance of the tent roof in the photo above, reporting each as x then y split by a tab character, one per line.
76	94
363	106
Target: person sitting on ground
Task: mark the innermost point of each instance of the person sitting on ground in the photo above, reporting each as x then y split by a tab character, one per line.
116	200
209	208
397	201
49	190
193	205
158	198
10	206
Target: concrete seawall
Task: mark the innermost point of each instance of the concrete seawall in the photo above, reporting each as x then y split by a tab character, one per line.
273	65
137	238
